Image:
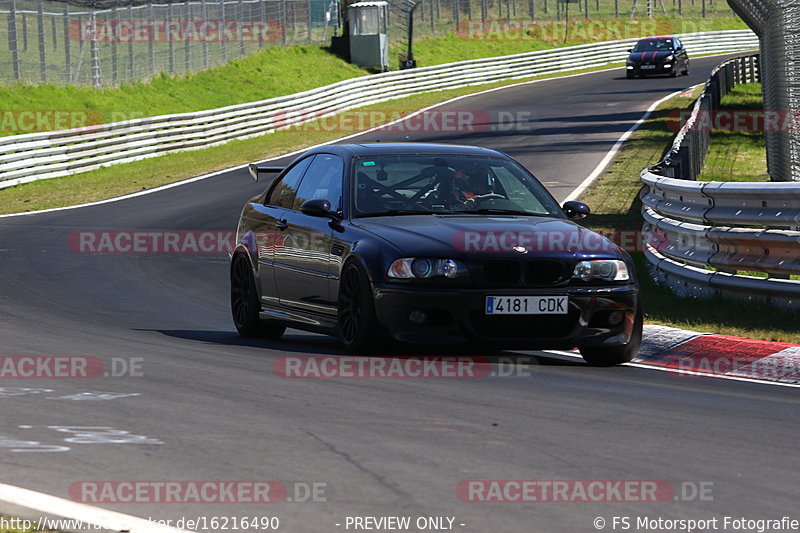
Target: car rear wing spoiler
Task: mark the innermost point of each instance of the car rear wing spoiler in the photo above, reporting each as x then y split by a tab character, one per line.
255	170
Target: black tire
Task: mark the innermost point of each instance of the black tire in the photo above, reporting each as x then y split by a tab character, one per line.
359	330
674	73
616	355
245	304
630	75
686	69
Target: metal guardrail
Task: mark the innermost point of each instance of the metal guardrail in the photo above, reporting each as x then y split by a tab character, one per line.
35	156
703	235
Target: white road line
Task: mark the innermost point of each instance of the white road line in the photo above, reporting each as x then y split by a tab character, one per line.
575	194
91	516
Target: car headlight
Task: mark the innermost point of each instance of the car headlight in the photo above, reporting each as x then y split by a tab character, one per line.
604	269
669	58
421	268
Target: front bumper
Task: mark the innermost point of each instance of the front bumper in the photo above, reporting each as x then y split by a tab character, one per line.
458	315
659	69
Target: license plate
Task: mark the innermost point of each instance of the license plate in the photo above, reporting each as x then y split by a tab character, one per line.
526	305
647	67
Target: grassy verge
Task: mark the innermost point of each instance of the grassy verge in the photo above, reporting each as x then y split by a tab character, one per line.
268	73
123	179
616	207
738	153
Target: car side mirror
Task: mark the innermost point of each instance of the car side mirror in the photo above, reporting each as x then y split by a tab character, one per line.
576	210
318	208
630	50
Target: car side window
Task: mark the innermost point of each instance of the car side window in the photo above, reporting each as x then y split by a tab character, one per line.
283	193
323	180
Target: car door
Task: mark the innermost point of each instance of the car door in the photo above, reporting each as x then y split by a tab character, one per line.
682	55
303	263
267	223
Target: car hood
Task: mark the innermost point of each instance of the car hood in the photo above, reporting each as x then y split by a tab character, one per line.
459	235
649	57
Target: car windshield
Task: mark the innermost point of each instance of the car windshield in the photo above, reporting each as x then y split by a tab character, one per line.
433	184
652	45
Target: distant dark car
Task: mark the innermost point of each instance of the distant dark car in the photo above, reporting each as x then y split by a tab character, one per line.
657	55
428	244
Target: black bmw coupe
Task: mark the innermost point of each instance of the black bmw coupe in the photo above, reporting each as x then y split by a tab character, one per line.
657	55
425	243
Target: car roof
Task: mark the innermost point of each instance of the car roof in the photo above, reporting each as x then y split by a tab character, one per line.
379	148
661	38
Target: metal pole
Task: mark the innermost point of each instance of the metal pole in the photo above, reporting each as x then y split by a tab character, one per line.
12	38
130	47
187	52
115	26
40	31
24	32
308	4
94	50
151	57
204	13
67	44
54	32
170	43
223	48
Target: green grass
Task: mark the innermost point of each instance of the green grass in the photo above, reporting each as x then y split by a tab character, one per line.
268	73
616	207
738	153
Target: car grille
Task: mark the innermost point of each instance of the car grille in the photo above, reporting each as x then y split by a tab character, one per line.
523	326
531	272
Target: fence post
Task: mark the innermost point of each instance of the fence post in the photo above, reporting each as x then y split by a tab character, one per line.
170	41
54	31
12	38
263	12
24	32
67	46
114	58
187	53
94	49
308	4
40	32
131	70
151	56
204	14
239	35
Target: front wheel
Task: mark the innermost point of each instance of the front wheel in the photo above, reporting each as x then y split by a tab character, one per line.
245	306
358	325
616	355
630	75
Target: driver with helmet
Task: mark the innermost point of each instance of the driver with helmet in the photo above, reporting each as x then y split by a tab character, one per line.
473	183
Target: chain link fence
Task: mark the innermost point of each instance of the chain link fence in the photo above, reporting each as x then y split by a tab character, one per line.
777	24
108	42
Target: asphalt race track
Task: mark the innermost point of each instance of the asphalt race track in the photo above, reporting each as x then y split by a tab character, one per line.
209	407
